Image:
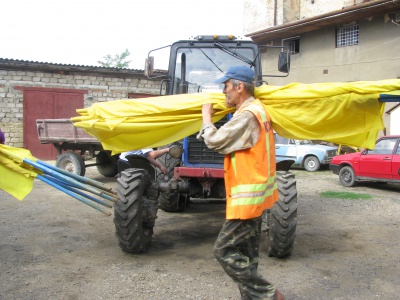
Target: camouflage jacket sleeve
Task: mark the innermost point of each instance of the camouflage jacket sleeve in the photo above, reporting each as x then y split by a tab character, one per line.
241	132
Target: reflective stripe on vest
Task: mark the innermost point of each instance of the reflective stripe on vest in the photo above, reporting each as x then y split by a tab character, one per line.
247	194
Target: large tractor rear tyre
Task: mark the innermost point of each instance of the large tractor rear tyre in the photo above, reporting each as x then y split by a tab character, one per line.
279	222
171	202
133	224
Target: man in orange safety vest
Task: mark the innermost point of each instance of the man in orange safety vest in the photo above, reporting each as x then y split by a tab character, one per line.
247	140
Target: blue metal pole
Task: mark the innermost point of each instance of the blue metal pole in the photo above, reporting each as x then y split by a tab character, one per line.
78	197
77	191
70	180
83	179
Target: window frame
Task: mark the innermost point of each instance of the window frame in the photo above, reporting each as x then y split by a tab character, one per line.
295	41
348	35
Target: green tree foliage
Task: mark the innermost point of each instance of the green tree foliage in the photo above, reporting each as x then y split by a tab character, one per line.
116	61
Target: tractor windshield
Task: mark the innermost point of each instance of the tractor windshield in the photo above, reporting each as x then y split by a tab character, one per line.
196	68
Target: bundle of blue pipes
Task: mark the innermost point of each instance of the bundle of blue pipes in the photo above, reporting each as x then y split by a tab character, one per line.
15	167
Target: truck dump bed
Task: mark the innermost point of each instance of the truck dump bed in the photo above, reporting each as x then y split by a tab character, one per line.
74	146
62	130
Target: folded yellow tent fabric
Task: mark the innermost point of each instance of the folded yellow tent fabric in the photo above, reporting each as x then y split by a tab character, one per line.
343	113
16	177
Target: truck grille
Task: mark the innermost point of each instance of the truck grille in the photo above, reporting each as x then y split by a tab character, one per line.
198	153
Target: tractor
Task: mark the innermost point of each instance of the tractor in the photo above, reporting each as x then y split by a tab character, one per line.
194	171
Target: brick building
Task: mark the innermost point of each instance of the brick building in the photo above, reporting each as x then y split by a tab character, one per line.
35	90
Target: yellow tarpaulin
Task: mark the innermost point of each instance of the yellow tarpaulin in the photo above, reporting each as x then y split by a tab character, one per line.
343	113
16	177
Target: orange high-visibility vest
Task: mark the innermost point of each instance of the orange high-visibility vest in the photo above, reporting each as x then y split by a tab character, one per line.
250	180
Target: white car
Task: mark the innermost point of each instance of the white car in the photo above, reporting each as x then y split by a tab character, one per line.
306	154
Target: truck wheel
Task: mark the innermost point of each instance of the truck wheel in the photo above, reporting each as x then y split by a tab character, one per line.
279	222
312	164
71	162
132	228
347	176
107	164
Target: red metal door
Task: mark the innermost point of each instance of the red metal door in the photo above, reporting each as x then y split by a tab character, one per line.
42	103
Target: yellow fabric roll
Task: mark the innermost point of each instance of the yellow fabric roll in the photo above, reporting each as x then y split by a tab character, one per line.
343	113
16	177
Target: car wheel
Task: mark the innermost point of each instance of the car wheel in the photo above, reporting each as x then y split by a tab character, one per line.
347	176
312	164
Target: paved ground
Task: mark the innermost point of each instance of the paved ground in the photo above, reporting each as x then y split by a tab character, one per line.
54	247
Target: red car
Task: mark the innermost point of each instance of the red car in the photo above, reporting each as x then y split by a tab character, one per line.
379	164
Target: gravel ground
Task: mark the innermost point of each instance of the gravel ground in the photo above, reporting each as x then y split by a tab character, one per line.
54	247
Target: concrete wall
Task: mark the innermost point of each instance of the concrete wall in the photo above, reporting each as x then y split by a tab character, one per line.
376	57
100	88
263	14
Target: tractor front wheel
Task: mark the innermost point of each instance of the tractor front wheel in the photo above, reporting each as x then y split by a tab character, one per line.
133	216
279	222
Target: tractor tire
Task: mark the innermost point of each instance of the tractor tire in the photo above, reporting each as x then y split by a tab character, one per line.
171	202
107	164
132	228
279	222
347	177
71	162
312	164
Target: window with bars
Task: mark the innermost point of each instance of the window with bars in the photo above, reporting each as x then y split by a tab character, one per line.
347	36
293	45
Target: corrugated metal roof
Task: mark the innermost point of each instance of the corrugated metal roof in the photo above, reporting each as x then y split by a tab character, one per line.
4	61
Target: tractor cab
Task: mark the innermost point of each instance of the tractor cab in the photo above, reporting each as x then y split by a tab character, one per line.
195	64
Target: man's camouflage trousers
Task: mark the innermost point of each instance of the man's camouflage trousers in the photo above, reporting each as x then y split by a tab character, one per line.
237	250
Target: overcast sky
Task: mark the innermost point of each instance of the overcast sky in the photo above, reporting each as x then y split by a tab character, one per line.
83	32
